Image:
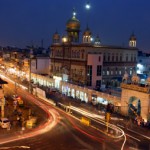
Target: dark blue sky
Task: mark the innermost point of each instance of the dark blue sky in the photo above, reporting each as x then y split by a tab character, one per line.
23	21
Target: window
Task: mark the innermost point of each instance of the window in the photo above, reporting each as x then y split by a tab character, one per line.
126	57
131	57
89	75
98	83
116	71
99	70
130	72
116	57
82	55
78	54
104	57
107	72
99	58
134	58
108	57
103	72
52	68
120	57
112	57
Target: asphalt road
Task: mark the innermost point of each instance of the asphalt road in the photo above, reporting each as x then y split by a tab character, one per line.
69	133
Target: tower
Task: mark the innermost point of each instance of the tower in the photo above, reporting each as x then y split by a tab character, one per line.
56	38
87	36
132	41
97	41
73	28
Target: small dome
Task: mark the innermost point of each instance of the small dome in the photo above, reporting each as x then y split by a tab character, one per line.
97	39
87	32
56	35
73	24
132	37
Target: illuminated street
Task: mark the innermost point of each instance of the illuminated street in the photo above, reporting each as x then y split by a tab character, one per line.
74	75
61	127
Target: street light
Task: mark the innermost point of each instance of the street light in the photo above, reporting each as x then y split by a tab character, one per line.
30	58
88	6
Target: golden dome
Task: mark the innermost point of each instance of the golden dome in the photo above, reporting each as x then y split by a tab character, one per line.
73	24
132	37
56	35
87	32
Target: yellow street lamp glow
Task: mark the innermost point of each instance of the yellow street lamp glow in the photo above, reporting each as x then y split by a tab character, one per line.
64	39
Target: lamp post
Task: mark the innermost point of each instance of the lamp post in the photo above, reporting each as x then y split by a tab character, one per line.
30	58
87	7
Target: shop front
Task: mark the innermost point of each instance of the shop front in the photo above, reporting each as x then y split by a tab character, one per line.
57	81
73	93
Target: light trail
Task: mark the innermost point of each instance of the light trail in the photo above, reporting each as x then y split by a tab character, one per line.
100	121
52	120
13	82
50	124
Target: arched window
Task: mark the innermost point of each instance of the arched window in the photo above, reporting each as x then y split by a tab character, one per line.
108	57
120	57
131	57
112	56
116	57
126	57
134	57
78	54
99	58
104	57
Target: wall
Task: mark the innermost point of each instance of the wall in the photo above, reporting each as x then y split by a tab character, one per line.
145	101
40	65
93	60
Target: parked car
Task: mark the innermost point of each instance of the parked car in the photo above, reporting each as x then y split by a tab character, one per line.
4	123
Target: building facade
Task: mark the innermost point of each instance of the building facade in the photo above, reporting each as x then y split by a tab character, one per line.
69	56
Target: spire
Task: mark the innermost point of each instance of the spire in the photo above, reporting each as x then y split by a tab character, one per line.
74	13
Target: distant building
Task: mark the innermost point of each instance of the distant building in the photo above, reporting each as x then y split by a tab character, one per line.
143	63
40	65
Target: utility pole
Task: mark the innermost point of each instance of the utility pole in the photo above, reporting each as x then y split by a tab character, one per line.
30	57
107	120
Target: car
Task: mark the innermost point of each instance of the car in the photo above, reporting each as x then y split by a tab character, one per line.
4	123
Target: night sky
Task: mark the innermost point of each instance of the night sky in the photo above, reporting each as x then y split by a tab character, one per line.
26	22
